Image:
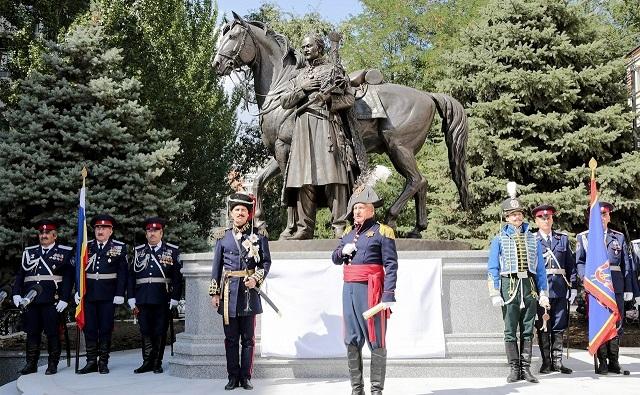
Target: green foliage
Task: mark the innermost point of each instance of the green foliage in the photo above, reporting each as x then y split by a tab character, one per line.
78	108
543	82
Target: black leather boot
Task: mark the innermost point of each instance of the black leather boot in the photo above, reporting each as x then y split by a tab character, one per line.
354	360
55	348
232	384
378	370
92	359
556	353
246	383
513	358
147	356
603	367
103	363
544	341
525	361
613	352
159	345
32	356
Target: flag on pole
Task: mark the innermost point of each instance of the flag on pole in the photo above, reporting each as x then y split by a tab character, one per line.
82	254
603	310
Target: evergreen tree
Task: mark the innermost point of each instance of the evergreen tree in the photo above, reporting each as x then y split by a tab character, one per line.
77	109
544	84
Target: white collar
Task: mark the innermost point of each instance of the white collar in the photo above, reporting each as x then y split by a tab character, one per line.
50	246
544	235
157	246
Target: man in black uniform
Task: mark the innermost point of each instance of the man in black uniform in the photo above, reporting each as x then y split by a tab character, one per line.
241	261
50	265
155	286
105	286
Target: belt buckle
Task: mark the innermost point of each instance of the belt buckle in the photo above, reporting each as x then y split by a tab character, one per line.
523	275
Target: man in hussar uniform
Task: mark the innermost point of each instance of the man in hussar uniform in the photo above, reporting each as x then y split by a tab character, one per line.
622	277
50	265
370	263
320	157
241	261
154	288
562	276
105	286
517	279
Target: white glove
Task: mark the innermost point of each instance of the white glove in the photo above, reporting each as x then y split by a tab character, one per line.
118	299
17	299
574	293
173	303
132	303
544	302
497	301
389	305
348	248
628	296
61	306
76	297
638	301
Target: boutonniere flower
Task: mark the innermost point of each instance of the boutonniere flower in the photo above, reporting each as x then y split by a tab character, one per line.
253	238
252	247
238	235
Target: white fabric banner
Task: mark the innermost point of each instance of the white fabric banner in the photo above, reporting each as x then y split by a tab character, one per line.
308	293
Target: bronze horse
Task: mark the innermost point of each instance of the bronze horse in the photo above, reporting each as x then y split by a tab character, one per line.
401	135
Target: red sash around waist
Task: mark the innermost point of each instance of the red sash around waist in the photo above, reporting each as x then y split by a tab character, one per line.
373	274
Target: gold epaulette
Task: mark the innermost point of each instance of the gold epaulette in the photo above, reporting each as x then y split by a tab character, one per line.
263	232
218	233
347	230
387	231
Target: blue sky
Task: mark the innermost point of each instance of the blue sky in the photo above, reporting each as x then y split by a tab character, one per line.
333	10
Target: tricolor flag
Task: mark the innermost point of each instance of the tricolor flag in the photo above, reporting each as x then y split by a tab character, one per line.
82	255
603	311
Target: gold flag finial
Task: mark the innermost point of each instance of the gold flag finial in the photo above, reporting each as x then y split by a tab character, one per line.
592	165
84	172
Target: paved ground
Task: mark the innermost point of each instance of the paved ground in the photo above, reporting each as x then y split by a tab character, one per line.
122	381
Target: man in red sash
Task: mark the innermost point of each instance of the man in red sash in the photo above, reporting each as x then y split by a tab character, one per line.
368	253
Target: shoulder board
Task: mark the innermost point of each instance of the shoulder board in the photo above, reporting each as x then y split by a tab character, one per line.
387	231
172	246
65	247
348	229
90	241
583	233
560	234
218	233
140	246
32	247
615	232
262	231
118	242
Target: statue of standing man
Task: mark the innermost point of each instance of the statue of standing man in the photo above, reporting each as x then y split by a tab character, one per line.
321	161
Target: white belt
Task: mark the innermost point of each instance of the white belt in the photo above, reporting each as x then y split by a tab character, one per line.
615	268
150	280
556	271
103	276
43	278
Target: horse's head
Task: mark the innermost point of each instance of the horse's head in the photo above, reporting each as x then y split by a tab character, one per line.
236	47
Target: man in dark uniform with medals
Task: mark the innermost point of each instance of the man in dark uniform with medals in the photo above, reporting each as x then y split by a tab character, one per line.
155	286
241	261
50	265
517	282
622	278
106	282
370	263
562	281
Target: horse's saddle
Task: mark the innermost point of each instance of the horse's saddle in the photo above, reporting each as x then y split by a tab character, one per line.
368	104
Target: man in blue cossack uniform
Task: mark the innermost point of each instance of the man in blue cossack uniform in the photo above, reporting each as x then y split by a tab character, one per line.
622	277
154	288
370	265
49	265
517	279
241	261
562	276
106	281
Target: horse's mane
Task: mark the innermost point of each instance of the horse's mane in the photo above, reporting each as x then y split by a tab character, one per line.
282	41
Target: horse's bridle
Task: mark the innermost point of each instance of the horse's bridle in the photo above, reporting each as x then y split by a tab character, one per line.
234	58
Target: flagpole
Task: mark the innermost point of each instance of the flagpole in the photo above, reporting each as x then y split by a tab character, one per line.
77	367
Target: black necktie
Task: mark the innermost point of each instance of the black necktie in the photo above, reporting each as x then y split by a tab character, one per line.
44	251
100	246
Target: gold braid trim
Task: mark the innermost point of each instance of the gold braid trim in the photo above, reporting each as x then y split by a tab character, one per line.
218	233
387	231
214	288
258	276
347	230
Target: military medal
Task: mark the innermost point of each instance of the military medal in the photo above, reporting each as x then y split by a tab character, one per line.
370	233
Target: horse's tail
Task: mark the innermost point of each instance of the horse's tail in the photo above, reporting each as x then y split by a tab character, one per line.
456	132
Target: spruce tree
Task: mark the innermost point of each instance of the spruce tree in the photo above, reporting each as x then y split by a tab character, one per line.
543	81
78	108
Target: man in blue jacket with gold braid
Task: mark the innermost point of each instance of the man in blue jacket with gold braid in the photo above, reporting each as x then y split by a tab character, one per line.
370	262
516	279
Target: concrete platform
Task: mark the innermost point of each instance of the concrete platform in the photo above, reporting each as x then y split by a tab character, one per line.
122	381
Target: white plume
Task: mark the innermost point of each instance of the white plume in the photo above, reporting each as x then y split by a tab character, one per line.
381	173
511	189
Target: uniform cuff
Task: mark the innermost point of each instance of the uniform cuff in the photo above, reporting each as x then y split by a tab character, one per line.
214	289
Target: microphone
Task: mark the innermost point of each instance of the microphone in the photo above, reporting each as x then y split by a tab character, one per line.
4	292
30	296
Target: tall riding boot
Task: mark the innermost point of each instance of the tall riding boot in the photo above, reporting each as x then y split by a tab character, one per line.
556	353
92	358
246	365
147	355
513	358
378	370
104	350
603	367
159	345
544	341
55	348
32	356
354	360
613	348
525	360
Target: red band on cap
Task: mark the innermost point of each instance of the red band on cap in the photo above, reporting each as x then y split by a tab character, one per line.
604	209
542	213
47	227
154	226
104	222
